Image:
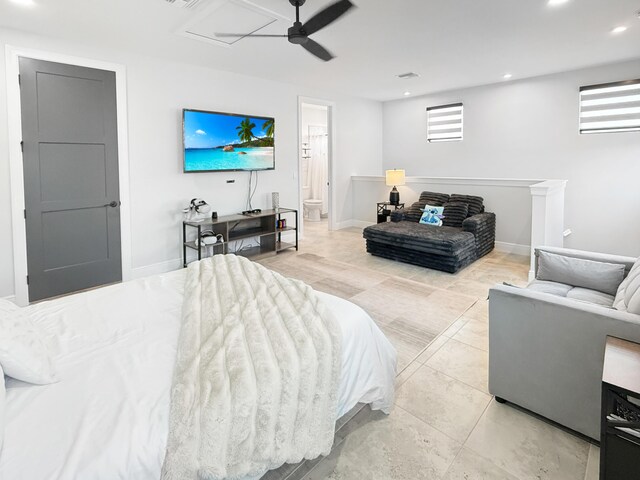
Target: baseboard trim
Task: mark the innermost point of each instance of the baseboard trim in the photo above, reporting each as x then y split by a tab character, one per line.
156	268
10	298
506	247
344	224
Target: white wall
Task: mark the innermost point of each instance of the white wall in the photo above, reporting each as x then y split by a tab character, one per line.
157	91
529	129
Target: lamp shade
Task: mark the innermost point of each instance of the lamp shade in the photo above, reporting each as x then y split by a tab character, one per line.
395	177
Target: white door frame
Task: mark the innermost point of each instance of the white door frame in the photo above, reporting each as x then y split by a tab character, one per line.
331	154
15	159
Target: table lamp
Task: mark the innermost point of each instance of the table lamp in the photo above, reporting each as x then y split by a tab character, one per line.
394	177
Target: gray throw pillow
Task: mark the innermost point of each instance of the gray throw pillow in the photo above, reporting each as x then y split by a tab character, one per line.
600	276
476	204
454	214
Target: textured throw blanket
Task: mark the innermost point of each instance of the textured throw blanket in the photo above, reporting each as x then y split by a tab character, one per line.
257	373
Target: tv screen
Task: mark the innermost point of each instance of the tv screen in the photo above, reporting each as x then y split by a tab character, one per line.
219	142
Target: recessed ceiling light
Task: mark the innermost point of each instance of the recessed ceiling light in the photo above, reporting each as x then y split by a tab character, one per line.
507	76
555	3
406	94
619	29
24	3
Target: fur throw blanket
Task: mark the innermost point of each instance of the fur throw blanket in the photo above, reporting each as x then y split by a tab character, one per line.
257	373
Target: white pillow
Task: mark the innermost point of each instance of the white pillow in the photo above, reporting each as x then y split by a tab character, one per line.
632	296
621	301
23	353
2	401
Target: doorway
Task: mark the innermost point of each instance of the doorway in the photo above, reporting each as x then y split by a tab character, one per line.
81	144
315	166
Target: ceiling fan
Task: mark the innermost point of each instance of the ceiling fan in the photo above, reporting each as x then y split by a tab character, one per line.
299	33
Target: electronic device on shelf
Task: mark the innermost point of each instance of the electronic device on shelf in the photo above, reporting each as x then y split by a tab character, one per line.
252	212
209	237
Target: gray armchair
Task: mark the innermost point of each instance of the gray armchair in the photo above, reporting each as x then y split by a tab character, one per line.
546	350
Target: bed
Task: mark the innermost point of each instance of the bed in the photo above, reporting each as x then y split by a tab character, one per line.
115	350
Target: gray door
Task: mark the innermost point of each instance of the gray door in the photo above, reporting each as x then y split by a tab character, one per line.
70	150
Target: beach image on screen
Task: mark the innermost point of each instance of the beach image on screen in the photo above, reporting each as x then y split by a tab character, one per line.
219	141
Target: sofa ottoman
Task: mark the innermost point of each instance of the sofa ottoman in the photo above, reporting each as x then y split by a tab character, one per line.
442	248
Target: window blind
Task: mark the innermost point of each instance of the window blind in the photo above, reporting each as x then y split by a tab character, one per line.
610	107
444	123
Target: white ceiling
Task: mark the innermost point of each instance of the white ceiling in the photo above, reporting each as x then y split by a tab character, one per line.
450	43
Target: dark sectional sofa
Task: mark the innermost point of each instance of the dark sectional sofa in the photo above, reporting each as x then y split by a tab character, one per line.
467	233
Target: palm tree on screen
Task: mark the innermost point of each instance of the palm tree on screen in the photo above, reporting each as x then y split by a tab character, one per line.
268	127
245	130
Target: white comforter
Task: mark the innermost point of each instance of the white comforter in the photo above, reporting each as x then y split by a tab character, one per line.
108	417
257	373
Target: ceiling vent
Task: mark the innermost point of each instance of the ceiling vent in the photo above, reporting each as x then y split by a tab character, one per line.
230	16
184	3
407	75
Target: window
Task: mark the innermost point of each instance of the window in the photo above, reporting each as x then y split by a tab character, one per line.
611	107
444	123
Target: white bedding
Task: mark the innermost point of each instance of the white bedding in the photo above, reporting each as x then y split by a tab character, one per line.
115	349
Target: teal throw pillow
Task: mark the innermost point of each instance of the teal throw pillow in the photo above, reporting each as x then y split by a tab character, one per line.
432	215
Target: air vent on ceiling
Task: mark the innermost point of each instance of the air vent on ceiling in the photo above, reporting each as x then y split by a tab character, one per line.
184	3
408	75
241	16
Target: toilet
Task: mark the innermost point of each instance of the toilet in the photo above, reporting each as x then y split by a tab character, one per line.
312	209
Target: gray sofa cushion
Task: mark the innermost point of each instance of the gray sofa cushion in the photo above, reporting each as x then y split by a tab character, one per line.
476	204
569	291
604	277
414	212
433	198
454	214
552	288
591	296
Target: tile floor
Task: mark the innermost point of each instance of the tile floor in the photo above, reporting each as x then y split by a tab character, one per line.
445	425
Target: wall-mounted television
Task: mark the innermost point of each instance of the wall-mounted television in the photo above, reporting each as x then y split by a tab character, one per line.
223	142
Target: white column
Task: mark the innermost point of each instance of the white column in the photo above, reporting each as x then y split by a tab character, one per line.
547	216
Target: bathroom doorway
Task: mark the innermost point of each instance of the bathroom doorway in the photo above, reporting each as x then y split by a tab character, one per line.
315	141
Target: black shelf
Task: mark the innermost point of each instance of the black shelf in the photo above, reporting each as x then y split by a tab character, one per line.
255	252
248	233
234	228
280	246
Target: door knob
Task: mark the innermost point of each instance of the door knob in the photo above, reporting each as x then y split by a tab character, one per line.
112	204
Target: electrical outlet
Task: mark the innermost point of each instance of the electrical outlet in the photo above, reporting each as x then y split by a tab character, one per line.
567	232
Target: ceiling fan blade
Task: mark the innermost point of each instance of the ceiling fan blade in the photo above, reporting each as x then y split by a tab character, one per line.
326	16
316	49
239	35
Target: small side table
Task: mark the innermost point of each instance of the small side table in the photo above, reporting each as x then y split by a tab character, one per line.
620	427
384	211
